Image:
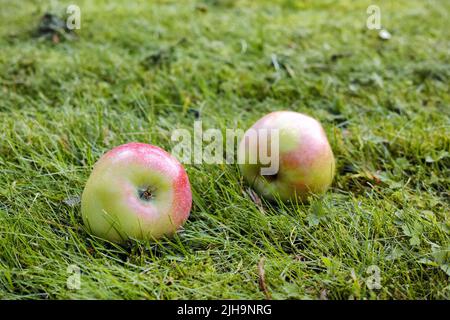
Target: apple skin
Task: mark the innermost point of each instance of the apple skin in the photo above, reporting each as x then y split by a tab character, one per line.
306	161
138	191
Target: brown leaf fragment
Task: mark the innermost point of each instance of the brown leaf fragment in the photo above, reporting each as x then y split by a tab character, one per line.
256	199
55	38
323	294
262	279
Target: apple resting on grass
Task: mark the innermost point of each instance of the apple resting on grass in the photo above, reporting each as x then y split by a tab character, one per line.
136	190
306	161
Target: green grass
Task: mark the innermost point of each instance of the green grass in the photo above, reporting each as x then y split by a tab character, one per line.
384	104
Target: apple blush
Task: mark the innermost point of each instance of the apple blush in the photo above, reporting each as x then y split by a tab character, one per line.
137	191
306	164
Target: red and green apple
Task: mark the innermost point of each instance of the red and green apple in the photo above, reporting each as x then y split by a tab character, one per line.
138	191
306	163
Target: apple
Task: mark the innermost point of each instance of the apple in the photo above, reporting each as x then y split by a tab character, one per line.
306	164
138	191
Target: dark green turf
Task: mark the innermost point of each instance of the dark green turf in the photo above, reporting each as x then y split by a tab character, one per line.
138	69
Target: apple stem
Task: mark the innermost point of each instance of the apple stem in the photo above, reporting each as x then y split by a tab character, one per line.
146	194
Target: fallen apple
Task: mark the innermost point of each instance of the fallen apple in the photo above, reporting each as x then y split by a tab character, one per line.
306	163
138	191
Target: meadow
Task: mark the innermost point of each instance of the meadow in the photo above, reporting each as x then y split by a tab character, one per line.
138	70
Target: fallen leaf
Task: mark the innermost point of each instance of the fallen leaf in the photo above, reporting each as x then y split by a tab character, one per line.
55	38
323	294
262	279
53	28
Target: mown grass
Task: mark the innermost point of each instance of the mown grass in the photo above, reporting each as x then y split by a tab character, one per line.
137	70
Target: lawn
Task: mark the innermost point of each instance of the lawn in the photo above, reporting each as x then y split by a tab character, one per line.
137	70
